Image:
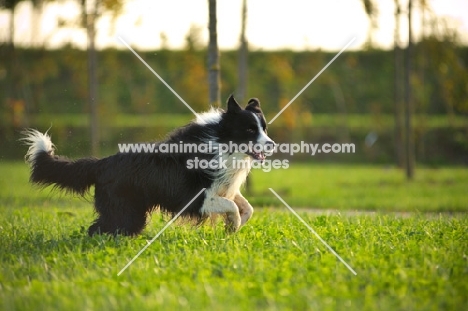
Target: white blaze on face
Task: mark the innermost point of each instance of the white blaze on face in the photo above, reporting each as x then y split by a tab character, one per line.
262	136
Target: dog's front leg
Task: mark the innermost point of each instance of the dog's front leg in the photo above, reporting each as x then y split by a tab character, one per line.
245	209
217	204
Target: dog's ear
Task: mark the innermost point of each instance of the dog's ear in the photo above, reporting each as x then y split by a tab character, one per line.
253	105
232	105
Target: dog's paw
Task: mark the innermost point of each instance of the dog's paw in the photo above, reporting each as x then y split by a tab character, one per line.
233	223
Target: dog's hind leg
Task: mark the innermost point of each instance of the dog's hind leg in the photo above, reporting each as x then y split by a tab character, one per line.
245	209
118	215
126	223
217	204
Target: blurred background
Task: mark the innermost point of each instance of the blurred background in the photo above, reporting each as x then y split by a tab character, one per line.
63	67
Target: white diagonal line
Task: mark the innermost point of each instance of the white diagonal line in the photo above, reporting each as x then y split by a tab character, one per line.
313	79
160	232
313	231
156	74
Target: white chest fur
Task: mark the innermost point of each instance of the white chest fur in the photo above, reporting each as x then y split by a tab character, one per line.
230	178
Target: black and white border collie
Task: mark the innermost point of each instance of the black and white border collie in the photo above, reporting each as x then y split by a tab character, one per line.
129	186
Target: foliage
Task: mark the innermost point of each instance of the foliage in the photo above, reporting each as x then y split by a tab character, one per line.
55	81
9	4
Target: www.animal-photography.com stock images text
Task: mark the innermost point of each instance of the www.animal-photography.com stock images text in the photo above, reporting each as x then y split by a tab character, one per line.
233	155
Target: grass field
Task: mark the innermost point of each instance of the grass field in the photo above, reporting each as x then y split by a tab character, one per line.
415	261
376	188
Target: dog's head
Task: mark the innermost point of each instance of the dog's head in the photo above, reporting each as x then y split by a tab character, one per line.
246	127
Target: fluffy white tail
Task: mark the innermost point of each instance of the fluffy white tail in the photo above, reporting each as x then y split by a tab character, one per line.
37	143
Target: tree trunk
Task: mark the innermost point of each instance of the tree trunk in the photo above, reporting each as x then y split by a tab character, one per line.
12	27
92	76
409	157
12	91
213	58
243	75
36	23
243	54
397	90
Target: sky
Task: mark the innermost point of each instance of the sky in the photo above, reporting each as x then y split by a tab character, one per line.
271	24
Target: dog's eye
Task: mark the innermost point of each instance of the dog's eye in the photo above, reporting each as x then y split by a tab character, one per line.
252	130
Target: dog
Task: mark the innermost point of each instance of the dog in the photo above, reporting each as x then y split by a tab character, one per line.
128	186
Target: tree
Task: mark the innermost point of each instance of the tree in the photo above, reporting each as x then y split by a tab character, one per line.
91	13
409	140
35	21
10	5
243	54
242	74
372	13
397	89
213	58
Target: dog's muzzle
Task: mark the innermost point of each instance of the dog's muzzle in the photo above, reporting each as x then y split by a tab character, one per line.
260	151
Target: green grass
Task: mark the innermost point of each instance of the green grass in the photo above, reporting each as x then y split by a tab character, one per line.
353	187
340	187
413	262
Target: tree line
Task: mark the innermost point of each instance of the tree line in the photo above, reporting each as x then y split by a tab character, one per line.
55	81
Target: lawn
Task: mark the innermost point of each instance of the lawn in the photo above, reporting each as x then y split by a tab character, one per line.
316	186
372	188
415	261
